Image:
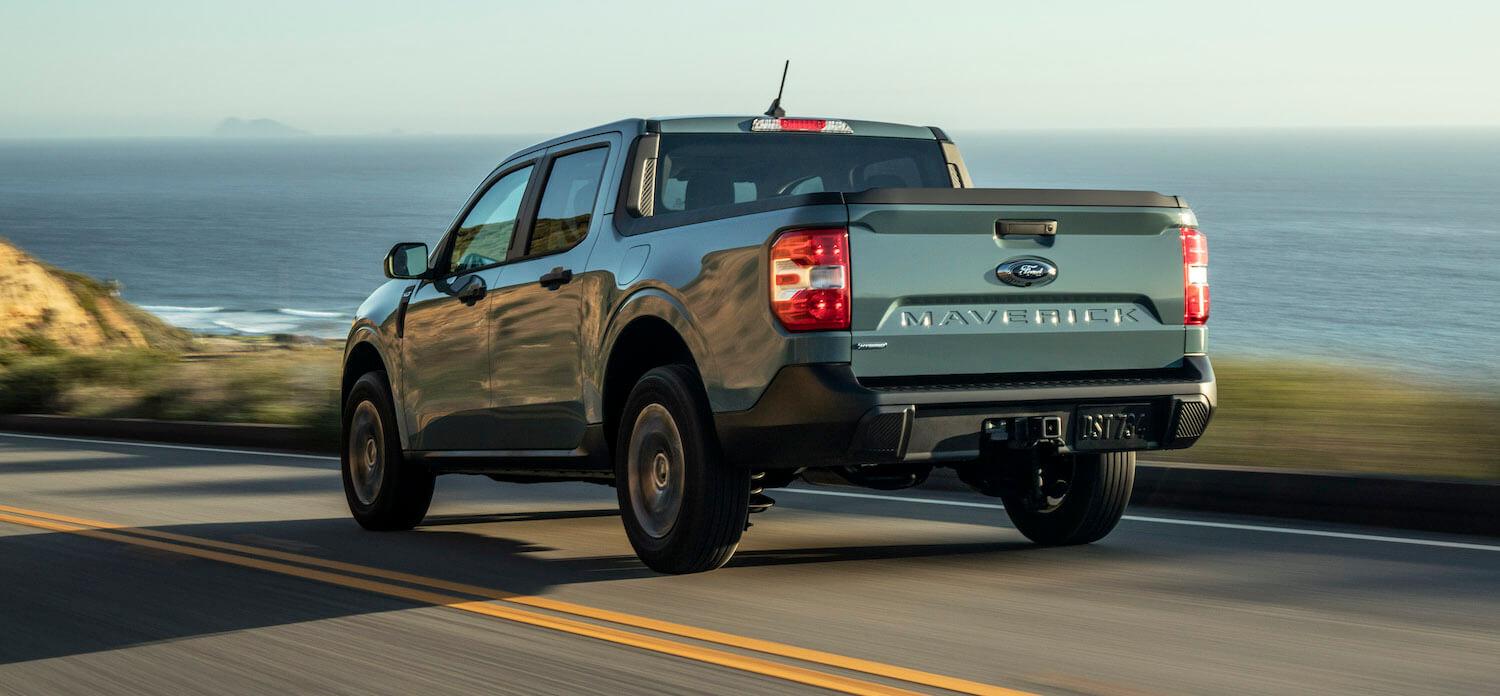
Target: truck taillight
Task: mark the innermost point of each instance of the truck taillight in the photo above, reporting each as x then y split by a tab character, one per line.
1194	277
810	280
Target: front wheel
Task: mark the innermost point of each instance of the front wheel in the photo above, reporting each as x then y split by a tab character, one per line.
385	492
683	505
1071	499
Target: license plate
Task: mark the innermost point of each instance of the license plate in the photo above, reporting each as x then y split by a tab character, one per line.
1126	426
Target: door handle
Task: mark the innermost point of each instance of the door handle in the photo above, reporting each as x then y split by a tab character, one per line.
472	291
556	278
1039	228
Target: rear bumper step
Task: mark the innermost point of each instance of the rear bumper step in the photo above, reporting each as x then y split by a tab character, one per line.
1187	372
959	434
821	415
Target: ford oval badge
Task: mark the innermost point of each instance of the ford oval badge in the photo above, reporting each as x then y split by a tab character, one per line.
1026	272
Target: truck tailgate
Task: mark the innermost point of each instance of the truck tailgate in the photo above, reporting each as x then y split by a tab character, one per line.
927	299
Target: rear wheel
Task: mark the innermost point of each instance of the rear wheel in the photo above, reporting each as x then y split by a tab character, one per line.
683	506
1071	499
384	491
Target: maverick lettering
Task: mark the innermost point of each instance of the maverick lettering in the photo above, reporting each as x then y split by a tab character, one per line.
977	317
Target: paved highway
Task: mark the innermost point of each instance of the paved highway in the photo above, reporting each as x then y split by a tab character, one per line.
130	568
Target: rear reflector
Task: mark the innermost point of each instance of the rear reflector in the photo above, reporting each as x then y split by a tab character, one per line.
1194	277
803	125
810	280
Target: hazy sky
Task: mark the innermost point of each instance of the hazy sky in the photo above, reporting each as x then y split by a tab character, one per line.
82	68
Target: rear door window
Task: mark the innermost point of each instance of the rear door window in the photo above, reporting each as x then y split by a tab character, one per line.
567	205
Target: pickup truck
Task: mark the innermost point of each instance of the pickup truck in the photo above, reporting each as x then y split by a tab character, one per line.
698	310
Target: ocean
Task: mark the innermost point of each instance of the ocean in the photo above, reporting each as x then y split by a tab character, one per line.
1354	246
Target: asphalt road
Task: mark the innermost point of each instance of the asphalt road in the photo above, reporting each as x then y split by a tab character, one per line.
127	568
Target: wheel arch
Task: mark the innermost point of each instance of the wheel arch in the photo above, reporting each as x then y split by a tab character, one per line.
651	330
360	358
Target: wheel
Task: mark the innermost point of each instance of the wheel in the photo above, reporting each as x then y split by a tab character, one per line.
683	506
385	492
1073	499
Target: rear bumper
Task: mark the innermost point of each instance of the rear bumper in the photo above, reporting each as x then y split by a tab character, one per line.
822	415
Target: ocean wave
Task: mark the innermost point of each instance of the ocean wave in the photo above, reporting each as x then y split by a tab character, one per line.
185	310
255	327
313	314
219	321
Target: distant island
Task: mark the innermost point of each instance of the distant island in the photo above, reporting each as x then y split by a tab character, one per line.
254	128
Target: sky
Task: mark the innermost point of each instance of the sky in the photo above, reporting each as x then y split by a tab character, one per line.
81	68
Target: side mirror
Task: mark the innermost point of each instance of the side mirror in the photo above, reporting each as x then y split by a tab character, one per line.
407	260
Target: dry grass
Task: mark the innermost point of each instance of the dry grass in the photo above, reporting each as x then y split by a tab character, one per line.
226	380
1309	416
1277	414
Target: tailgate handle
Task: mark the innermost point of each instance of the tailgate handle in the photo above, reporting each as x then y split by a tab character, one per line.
1046	228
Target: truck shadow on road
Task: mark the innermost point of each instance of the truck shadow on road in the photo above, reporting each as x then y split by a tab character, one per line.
832	554
69	595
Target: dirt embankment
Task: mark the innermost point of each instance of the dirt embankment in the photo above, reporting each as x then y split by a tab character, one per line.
41	302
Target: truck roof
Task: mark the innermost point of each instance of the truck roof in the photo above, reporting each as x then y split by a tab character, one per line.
741	124
732	124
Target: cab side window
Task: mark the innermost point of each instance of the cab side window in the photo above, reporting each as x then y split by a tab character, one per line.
567	205
483	239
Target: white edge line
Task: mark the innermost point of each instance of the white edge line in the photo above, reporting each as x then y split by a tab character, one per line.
1319	533
871	496
160	445
1183	522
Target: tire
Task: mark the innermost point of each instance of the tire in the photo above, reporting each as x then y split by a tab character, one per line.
684	507
385	492
1094	502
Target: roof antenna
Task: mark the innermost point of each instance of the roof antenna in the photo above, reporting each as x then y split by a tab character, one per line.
776	111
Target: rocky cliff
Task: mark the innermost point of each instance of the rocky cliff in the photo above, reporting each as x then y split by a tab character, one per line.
39	301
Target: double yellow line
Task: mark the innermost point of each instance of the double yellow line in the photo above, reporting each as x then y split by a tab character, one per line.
455	595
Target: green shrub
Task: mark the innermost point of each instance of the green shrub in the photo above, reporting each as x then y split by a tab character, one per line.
37	344
43	380
34	385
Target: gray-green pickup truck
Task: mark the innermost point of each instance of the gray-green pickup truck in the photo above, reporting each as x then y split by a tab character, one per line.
697	310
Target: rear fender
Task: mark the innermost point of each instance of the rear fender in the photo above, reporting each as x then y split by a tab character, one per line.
660	304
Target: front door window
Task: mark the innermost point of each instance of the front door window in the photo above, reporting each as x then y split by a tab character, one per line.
483	239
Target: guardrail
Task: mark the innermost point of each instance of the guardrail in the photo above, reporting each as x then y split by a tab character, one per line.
290	438
1462	507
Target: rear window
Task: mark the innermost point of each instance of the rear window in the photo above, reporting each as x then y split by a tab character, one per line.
703	170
